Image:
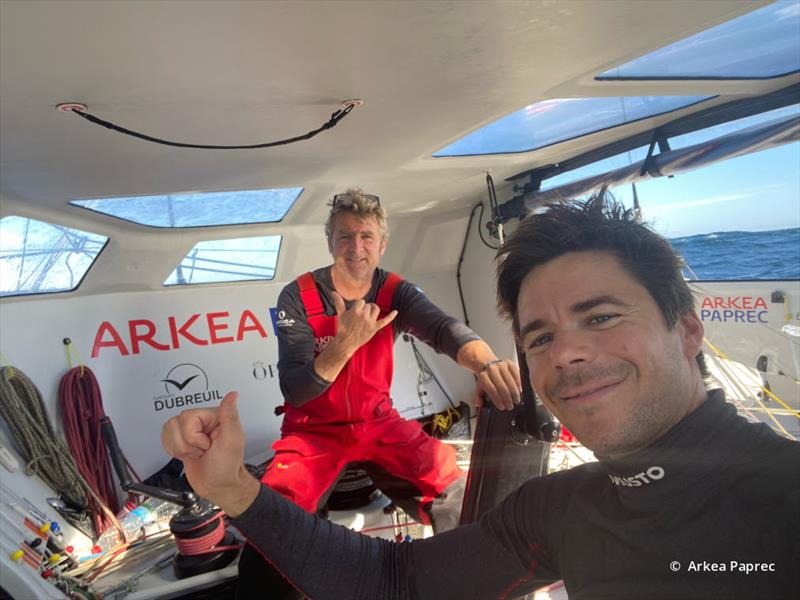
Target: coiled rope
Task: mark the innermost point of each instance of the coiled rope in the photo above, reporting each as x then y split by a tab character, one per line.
81	406
207	542
45	454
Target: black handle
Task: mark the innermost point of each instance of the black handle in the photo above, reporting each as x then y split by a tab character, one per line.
110	437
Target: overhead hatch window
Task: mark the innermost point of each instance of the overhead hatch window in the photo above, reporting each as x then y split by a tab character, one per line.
40	258
553	121
200	209
763	43
238	259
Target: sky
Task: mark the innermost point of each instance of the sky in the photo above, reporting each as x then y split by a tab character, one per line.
757	192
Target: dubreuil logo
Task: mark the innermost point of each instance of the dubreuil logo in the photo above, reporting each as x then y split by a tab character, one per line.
186	384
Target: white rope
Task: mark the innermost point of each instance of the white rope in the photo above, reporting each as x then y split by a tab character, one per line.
45	454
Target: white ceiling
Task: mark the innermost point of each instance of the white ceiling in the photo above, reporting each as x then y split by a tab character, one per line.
248	72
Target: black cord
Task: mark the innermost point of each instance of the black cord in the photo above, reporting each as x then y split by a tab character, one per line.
492	197
480	232
332	122
495	210
479	205
461	261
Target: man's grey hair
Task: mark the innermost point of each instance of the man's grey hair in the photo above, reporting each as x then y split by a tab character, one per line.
355	203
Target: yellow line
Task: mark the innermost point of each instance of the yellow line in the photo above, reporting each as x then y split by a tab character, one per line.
754	396
793	412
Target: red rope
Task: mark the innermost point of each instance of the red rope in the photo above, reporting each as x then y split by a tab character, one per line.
81	410
203	543
207	543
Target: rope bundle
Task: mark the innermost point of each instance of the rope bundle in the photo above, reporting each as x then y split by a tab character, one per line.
45	454
81	410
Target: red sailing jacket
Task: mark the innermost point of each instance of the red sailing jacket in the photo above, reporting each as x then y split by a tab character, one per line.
361	392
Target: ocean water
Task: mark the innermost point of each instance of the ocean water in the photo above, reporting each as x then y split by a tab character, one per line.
742	254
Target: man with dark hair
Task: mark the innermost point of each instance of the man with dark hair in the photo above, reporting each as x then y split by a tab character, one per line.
688	500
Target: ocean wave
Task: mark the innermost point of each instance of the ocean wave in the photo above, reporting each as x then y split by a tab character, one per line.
742	254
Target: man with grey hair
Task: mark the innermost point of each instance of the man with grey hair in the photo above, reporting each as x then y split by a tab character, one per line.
336	332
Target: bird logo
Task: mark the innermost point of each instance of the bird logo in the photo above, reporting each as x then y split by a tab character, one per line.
181	376
178	384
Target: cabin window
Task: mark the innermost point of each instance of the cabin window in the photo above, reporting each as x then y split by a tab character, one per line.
199	209
763	43
734	220
679	141
553	121
605	165
709	133
42	258
238	259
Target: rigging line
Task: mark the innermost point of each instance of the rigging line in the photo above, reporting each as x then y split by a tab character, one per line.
732	380
570	449
24	248
739	404
332	122
426	372
778	424
763	389
688	267
625	120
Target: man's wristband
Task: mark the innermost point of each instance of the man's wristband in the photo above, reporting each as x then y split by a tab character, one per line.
486	365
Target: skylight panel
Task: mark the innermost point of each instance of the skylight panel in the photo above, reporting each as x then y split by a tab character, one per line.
239	259
552	121
200	209
763	43
40	258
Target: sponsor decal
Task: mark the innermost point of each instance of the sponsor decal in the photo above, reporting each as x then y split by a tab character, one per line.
646	477
321	342
734	309
199	329
186	385
279	319
263	371
283	321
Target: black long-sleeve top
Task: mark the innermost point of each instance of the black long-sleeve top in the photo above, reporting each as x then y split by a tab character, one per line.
416	315
684	518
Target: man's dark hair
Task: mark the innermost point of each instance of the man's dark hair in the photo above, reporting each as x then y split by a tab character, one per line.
597	224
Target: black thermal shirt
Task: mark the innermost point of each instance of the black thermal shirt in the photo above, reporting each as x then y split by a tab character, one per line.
713	498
